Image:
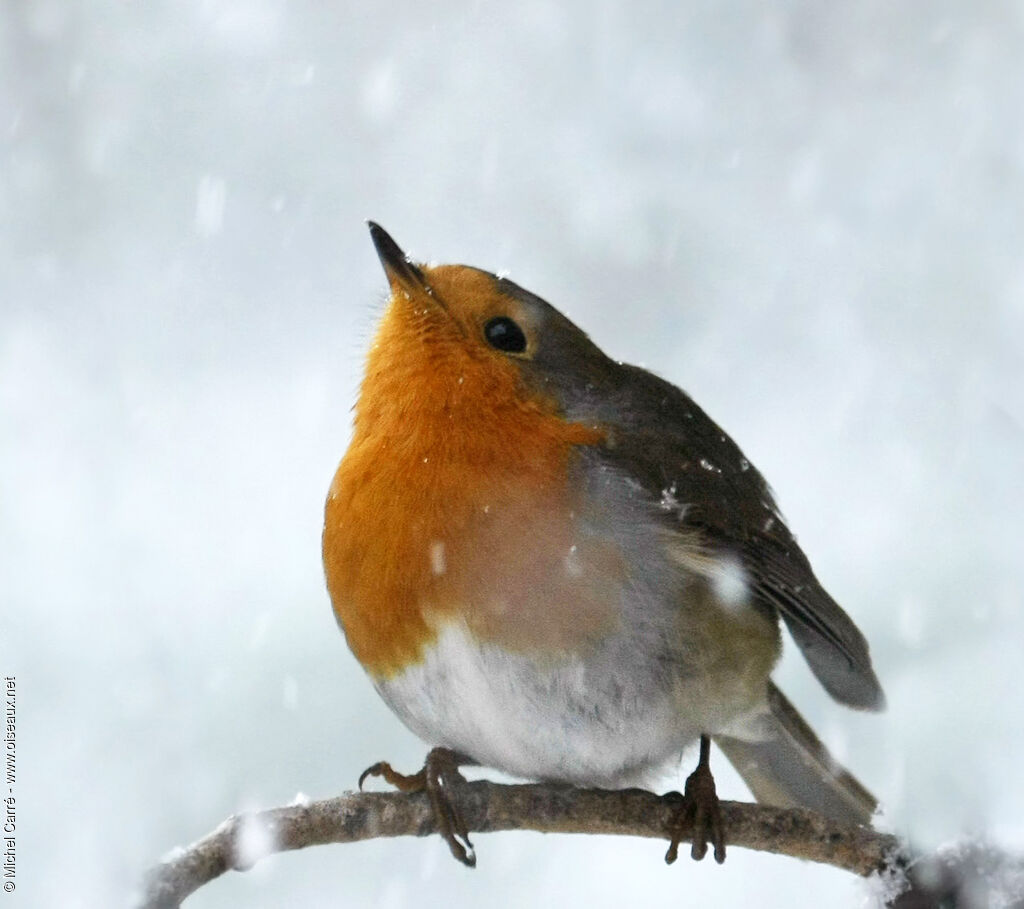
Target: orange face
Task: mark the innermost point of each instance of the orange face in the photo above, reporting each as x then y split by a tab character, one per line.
454	496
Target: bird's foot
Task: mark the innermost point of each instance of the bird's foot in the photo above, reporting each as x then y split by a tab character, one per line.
697	811
440	772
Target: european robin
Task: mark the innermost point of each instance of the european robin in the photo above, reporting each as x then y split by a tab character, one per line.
557	565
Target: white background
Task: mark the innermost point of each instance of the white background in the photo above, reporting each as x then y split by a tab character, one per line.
806	214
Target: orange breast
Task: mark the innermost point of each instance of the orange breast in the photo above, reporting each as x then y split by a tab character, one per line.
454	499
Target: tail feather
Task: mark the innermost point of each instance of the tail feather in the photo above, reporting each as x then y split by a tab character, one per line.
791	768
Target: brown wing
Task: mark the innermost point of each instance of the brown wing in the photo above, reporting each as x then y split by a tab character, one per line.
708	490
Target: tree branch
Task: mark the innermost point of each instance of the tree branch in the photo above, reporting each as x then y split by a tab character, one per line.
489	807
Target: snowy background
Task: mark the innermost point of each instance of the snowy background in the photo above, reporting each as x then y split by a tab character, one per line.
808	215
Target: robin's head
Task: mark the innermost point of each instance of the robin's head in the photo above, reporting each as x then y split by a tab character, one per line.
462	325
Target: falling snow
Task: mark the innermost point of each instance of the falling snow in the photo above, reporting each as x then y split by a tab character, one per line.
669	502
438	560
729	580
254	840
211	197
761	206
573	565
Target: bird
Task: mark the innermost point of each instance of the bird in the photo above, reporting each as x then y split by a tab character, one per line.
558	566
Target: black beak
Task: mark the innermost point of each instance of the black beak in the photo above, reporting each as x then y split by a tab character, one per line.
397	266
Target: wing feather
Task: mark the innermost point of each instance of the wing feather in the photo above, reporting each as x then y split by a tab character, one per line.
705	490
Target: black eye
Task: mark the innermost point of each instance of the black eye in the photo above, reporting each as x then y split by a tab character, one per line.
505	335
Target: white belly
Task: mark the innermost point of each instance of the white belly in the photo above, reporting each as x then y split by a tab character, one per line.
613	718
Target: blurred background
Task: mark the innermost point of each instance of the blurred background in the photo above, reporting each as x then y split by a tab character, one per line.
808	215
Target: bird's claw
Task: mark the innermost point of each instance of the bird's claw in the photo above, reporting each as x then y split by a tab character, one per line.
439	774
697	812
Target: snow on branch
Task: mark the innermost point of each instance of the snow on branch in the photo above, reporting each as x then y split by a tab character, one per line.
490	807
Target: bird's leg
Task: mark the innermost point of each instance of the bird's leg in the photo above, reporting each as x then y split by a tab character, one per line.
440	772
697	806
